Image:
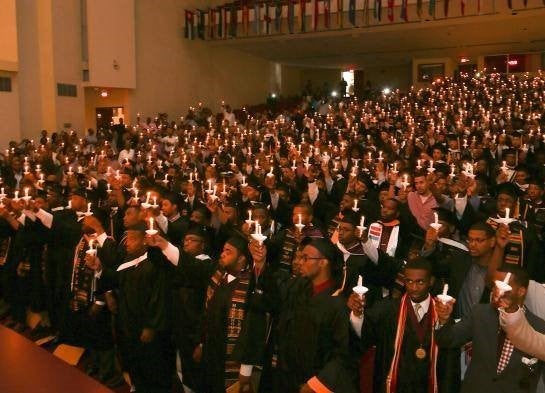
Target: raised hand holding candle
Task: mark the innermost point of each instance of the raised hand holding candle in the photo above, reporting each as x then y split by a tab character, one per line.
503	285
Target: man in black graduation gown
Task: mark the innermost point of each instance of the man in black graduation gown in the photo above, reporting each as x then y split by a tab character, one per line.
356	263
65	233
192	269
407	358
313	327
176	225
143	316
225	356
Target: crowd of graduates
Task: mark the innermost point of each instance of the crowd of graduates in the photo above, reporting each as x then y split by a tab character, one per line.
281	250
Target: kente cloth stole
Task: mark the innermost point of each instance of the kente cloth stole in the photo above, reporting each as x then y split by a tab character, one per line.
405	308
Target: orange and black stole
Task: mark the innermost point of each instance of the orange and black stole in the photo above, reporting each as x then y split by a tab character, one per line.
404	310
235	318
514	251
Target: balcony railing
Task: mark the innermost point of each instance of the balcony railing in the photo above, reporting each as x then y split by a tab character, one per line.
253	19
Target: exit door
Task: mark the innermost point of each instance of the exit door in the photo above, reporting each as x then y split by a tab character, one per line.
108	116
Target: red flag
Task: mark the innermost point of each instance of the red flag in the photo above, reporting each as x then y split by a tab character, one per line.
478	6
327	6
391	10
509	4
211	22
245	17
315	14
404	11
446	8
463	6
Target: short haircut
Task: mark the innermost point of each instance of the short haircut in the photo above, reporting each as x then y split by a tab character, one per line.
397	203
305	206
484	227
518	274
419	263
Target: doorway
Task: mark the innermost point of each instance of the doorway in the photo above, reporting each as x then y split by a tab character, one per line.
348	77
108	116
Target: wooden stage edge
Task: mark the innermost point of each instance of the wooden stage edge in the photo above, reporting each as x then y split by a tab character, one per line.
26	367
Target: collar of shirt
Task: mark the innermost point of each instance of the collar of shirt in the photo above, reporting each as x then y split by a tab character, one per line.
425	304
174	218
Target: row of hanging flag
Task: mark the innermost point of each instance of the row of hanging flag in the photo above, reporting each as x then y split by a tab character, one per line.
262	17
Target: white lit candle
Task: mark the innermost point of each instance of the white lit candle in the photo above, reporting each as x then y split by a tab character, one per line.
300	216
507	211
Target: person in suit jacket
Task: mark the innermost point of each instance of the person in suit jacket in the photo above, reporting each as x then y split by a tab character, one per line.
466	272
407	358
521	333
497	364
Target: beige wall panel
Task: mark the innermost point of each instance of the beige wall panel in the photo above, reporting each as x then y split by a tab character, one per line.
8	36
174	73
111	41
9	112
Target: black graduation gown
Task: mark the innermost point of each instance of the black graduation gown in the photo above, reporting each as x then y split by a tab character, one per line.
190	280
215	337
313	340
143	304
176	230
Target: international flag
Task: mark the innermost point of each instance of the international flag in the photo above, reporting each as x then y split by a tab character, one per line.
315	14
201	24
352	12
419	8
366	12
257	18
291	16
391	10
327	13
221	18
267	19
463	6
189	22
233	21
211	23
378	10
340	11
446	7
431	8
303	14
278	16
404	11
510	4
245	17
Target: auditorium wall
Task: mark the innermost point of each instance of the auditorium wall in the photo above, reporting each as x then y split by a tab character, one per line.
9	58
173	73
391	76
